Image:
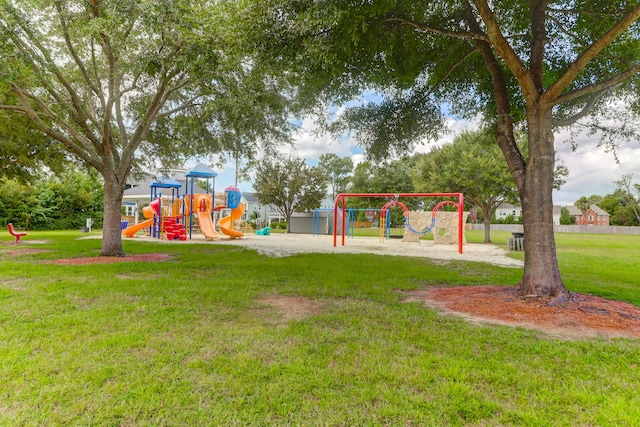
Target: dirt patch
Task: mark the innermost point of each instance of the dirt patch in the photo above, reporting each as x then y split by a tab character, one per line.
293	308
25	251
112	259
25	242
584	316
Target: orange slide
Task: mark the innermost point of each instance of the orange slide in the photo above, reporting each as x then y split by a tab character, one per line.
226	223
206	225
133	229
202	204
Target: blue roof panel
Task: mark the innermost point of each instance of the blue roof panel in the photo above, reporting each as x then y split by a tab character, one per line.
201	171
165	182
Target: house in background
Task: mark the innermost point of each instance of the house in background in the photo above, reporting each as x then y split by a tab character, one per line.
593	216
264	214
557	212
506	209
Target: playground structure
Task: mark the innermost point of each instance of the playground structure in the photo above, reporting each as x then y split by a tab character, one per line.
237	209
413	231
163	215
445	229
174	217
203	205
341	209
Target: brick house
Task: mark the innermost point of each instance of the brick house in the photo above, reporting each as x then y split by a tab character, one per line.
593	216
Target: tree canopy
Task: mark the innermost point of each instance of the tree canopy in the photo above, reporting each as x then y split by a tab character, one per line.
57	202
623	204
338	171
108	80
25	152
472	165
536	65
290	185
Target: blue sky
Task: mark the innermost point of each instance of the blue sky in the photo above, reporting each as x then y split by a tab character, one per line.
591	170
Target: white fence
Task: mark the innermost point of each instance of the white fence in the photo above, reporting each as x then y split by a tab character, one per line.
613	229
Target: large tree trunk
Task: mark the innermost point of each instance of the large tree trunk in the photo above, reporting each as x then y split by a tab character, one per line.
541	270
111	229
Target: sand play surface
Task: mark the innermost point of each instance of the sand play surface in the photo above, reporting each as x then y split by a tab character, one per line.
280	245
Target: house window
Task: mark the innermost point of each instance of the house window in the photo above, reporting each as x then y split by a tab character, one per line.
129	210
590	217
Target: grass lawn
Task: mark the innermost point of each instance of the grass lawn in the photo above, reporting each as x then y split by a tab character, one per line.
192	341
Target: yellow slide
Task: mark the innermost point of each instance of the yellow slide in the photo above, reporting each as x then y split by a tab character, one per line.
206	225
226	223
133	229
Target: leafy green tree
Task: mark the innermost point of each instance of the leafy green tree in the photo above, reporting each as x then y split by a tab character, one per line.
14	202
632	191
25	152
52	203
611	204
538	64
290	185
565	217
471	165
386	177
68	200
338	170
111	79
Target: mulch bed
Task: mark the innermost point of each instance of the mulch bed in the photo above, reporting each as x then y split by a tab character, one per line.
584	316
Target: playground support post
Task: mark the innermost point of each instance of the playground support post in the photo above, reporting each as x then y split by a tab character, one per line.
341	201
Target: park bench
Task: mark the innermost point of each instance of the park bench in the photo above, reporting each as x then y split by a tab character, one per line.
14	233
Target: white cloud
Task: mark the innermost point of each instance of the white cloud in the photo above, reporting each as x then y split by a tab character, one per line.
310	144
591	170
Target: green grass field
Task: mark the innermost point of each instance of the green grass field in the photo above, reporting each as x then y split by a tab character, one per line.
191	342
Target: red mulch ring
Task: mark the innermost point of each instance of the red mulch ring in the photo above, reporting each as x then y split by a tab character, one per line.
584	316
111	259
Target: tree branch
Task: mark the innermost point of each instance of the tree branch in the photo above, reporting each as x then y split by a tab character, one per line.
74	54
185	106
504	49
68	143
564	30
437	30
505	137
39	55
583	112
552	94
607	84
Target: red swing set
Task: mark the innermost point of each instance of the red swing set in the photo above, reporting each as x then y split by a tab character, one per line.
340	208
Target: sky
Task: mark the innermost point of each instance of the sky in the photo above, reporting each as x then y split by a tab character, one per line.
591	170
